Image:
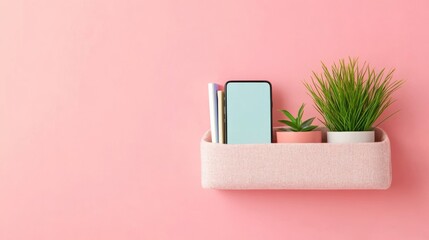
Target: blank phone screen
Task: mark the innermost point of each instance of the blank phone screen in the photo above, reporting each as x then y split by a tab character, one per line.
248	112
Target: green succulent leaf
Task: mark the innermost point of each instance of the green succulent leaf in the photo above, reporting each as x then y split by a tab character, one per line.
288	114
309	128
300	113
289	123
308	122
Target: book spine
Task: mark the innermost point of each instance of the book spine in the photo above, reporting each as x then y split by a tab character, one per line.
213	87
221	116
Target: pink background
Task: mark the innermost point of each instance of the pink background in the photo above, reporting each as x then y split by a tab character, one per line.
103	103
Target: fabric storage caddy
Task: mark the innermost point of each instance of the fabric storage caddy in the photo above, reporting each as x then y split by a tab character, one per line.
297	165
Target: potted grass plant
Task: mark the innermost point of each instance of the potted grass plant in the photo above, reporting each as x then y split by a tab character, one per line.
298	131
351	99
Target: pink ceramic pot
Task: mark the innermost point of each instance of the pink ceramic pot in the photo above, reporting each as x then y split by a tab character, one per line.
299	137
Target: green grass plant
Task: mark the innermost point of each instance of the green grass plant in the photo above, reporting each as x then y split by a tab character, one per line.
350	97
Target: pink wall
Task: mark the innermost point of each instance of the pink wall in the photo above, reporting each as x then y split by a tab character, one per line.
103	103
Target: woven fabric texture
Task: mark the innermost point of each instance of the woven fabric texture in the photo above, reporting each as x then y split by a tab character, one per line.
296	165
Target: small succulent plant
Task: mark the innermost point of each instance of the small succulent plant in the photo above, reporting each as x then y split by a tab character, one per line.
296	124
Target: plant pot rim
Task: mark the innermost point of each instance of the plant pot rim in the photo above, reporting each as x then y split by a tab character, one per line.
298	132
351	137
351	131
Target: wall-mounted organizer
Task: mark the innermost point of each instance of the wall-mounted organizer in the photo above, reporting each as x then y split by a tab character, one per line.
297	165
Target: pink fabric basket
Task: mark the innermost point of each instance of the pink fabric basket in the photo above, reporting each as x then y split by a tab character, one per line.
296	165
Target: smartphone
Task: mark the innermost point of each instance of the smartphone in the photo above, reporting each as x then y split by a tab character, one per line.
248	112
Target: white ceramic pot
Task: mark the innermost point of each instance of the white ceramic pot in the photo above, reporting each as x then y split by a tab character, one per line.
351	137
